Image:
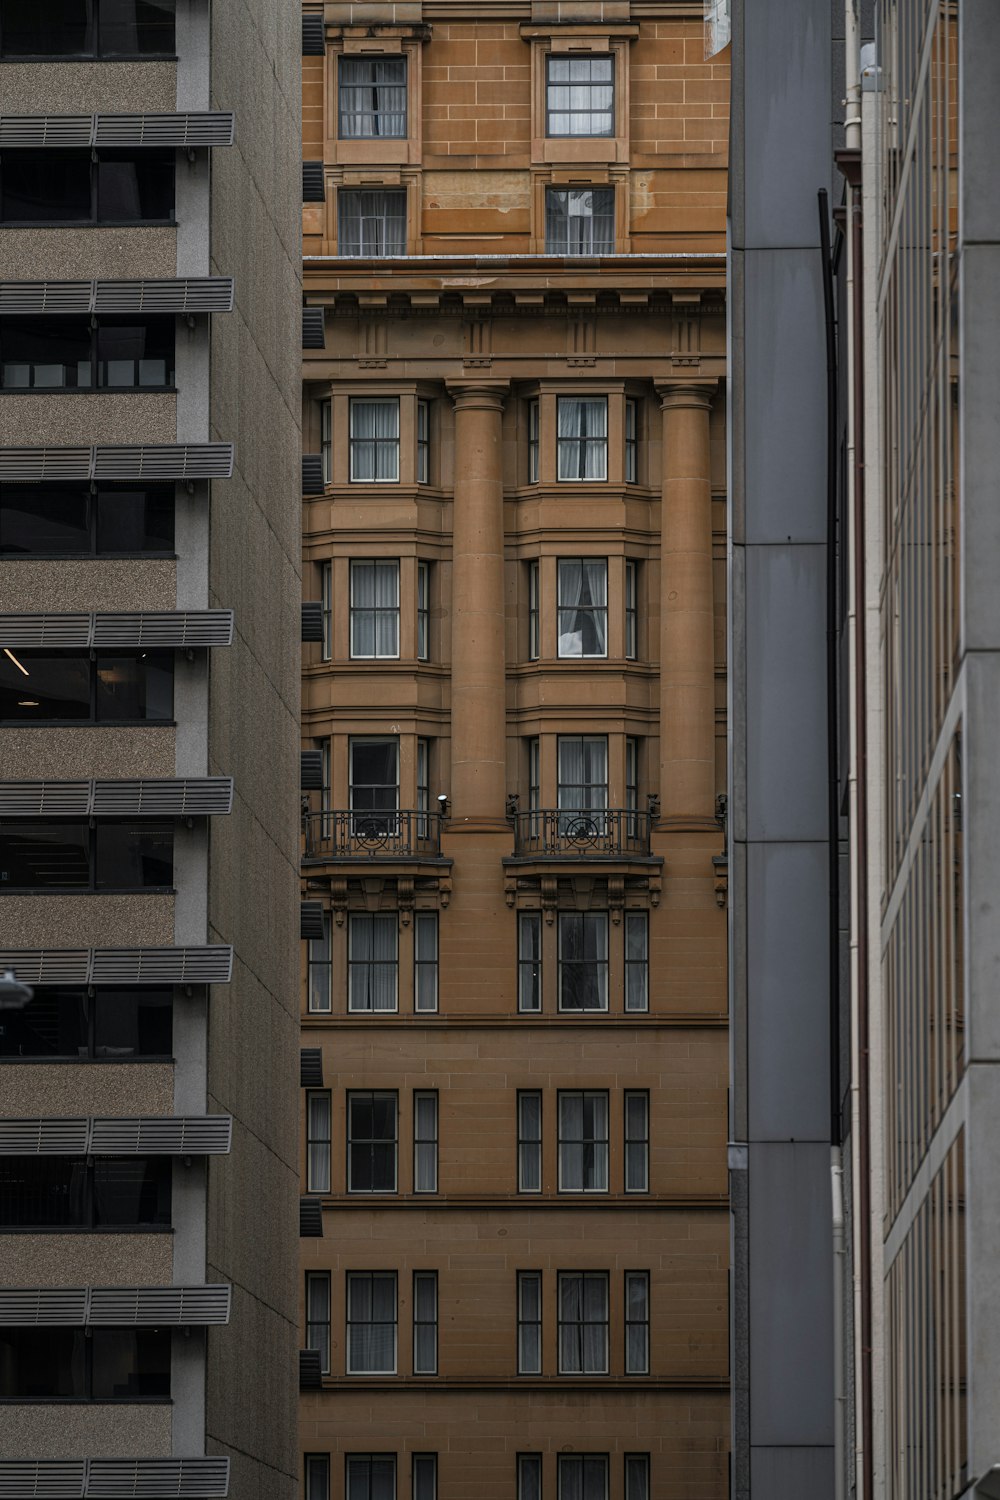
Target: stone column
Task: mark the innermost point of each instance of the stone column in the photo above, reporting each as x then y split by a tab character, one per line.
687	625
478	678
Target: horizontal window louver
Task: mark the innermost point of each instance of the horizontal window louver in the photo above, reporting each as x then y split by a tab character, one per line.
31	132
193	294
46	296
208	965
310	1370
313	41
61	631
156	461
312	474
200	627
157	1479
312	620
192	797
313	328
311	1068
20	131
168	1135
310	1219
43	1479
311	919
311	770
45	799
43	1307
44	1137
157	1306
313	190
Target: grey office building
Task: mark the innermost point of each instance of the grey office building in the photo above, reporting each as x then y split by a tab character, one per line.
149	667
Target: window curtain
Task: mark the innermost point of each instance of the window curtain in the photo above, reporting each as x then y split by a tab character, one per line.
583	961
373	963
425	1324
580	221
372	98
529	1151
371	221
636	1477
637	1319
375	608
371	1312
318	1317
371	1478
582	427
583	774
374	440
583	606
318	1173
583	1324
425	1144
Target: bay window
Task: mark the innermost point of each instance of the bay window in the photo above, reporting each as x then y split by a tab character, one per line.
582	606
582	447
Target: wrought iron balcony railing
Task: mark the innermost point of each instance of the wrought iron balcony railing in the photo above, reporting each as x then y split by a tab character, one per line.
371	835
573	833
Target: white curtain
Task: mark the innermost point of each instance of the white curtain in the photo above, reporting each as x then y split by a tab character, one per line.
583	1324
583	773
371	1313
581	96
636	961
580	221
636	1143
637	1318
529	1167
372	97
425	1149
375	608
375	440
637	1477
583	437
373	962
318	1165
371	222
318	1316
529	1477
425	1324
583	606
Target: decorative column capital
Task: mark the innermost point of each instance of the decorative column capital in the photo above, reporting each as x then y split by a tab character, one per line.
478	395
687	395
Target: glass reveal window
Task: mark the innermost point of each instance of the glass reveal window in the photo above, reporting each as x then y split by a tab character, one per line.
58	688
73	1364
425	961
636	1141
58	1192
87	28
583	960
529	961
76	1023
72	187
371	1323
319	963
375	441
372	98
372	1142
580	96
425	1142
318	1316
319	1121
371	221
583	1322
371	1476
583	1476
54	520
372	962
529	1141
375	609
582	437
73	856
583	606
636	1322
425	1322
583	1142
636	961
529	1322
580	221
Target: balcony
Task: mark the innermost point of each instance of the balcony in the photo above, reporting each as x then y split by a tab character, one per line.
372	835
582	833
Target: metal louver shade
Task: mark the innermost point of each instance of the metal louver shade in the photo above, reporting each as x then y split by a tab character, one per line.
312	620
146	1306
313	41
110	966
311	1068
168	1135
204	128
313	190
191	628
151	461
310	1219
313	328
54	1478
114	1478
311	919
179	294
310	1370
43	1307
44	1137
311	770
312	474
181	797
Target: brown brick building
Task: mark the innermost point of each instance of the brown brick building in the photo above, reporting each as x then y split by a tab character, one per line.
514	1009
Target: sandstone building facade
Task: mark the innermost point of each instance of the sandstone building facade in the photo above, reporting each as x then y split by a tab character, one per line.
515	1228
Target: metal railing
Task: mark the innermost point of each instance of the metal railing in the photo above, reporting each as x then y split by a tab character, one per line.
371	835
576	832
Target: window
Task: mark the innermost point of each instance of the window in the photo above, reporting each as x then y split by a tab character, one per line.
632	785
425	1142
534	778
636	1322
320	971
583	960
533	612
583	606
637	1476
87	28
425	1322
371	1476
583	778
529	1476
580	96
529	1322
317	1476
318	1128
372	1142
72	354
371	221
109	1024
371	1323
424	799
327	595
374	609
374	783
326	439
375	441
529	961
423	611
372	98
582	437
423	442
529	1141
631	610
59	1192
533	433
636	960
38	687
636	1141
631	442
71	187
372	962
60	520
318	1316
73	1364
425	1471
73	856
583	1476
580	221
583	1322
583	1142
425	961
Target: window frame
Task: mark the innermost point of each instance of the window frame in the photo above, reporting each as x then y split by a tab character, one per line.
90	1001
96	883
93	663
566	1460
372	1142
534	438
423	610
369	1459
389	444
583	1322
526	1142
430	1280
326	438
548	85
529	1489
644	1459
534	610
426	970
390	922
636	968
316	1476
643	1324
602	967
638	1144
417	1483
345	247
525	1365
631	439
595	1142
318	1181
84	1195
532	965
350	1322
387	566
584	441
552	191
378	135
597	612
93	158
354	742
423	469
97	363
319	1279
93	522
319	995
631	609
96	53
432	1141
326	596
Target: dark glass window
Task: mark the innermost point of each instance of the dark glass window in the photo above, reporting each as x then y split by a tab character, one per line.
371	1142
73	856
64	187
87	28
69	520
113	689
78	1023
375	777
46	1192
68	1364
67	354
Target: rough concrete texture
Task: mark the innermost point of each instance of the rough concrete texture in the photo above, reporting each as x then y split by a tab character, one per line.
87	751
60	1431
86	1089
98	583
87	88
68	255
86	921
86	1259
129	417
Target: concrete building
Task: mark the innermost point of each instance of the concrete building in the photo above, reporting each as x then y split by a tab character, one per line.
149	668
514	1007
